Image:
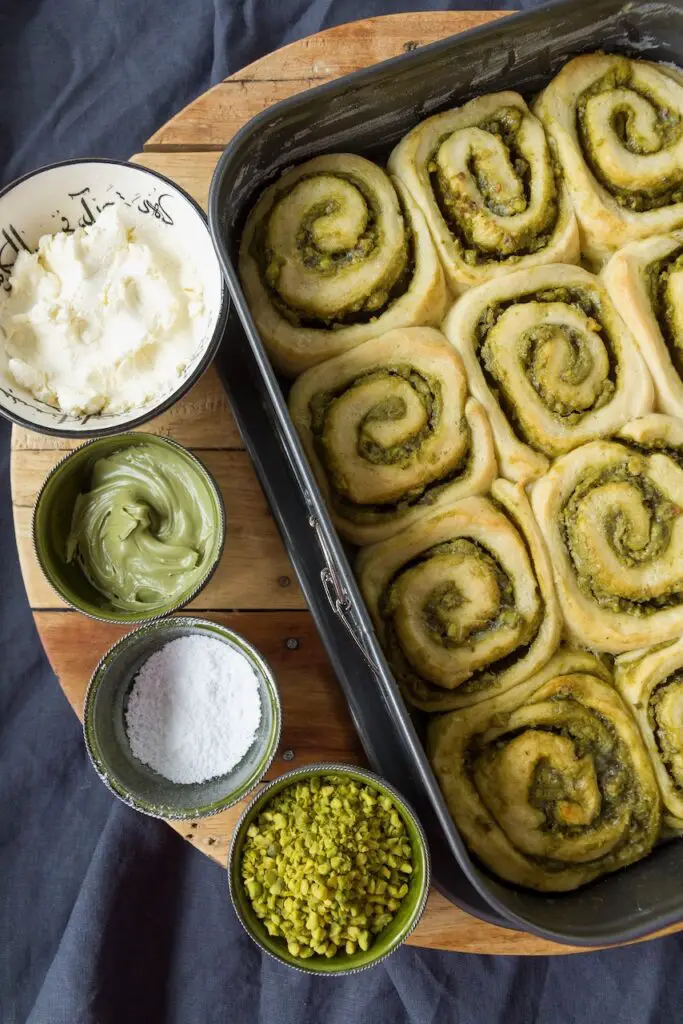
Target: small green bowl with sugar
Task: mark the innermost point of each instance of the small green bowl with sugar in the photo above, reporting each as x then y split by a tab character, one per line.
169	718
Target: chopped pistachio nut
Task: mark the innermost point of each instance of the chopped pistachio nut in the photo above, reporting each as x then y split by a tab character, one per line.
326	865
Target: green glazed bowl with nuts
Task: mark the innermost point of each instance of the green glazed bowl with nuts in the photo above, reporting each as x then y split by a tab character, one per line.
329	869
129	528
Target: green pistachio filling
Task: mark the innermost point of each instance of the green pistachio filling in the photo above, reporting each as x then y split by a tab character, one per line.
144	530
660	281
578	367
663	717
440	623
447	597
330	262
617	530
667	126
461	214
588	302
429	391
427	388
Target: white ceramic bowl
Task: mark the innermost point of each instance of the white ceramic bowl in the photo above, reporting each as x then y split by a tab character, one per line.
72	194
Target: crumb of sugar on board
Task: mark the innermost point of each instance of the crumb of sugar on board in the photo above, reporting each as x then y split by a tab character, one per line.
193	710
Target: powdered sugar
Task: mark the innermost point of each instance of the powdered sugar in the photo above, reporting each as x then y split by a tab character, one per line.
193	710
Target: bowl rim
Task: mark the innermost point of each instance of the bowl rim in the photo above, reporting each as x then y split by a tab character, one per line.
332	768
207	357
143	619
258	662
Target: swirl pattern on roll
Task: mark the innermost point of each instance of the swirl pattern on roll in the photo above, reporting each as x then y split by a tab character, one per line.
391	432
333	254
483	176
551	362
550	784
617	126
652	683
612	516
463	601
645	280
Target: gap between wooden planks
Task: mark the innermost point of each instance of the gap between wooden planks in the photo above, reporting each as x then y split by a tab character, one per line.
254	571
255	575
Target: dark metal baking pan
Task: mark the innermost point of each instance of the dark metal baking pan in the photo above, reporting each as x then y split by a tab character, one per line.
366	113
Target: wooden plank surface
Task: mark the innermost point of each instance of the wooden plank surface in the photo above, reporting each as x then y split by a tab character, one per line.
213	118
254	590
203	419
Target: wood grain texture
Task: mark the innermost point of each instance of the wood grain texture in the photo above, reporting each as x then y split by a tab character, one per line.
201	420
190	170
215	117
316	721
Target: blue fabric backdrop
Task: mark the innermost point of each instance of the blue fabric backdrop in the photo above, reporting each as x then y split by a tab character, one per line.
107	917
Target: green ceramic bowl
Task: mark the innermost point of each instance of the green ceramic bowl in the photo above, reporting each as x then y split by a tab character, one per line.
52	522
107	742
407	916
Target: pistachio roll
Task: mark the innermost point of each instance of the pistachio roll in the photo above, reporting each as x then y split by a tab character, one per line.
645	280
333	254
493	198
551	362
463	600
612	516
550	784
392	433
617	127
652	683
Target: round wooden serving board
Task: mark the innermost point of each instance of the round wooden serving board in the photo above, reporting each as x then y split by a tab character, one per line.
254	590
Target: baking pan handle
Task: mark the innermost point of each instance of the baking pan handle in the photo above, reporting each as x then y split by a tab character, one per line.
336	594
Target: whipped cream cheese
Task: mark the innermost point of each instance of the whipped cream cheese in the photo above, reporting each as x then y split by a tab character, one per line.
101	320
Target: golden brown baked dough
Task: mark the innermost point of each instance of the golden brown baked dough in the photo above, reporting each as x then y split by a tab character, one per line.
391	433
335	253
551	362
463	601
617	127
549	783
483	176
645	280
651	681
611	513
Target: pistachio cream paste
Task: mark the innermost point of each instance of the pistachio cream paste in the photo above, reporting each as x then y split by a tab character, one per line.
143	533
